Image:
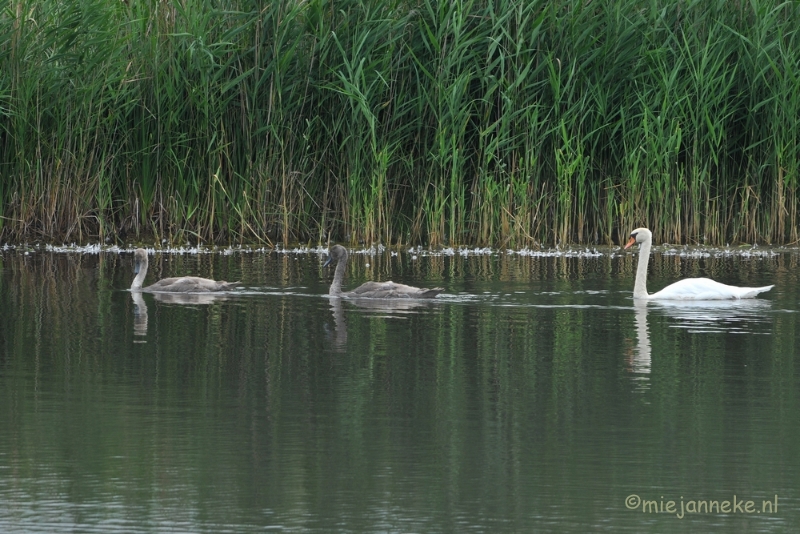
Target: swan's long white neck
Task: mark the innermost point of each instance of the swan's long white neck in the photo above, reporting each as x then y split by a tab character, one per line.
139	279
640	287
338	275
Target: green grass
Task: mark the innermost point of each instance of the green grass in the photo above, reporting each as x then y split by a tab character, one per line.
513	123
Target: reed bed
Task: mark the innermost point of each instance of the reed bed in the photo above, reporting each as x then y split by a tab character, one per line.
511	123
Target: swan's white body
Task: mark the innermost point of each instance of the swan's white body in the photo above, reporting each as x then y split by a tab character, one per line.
688	289
181	284
372	290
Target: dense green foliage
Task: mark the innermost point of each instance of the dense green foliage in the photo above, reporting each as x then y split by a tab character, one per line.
508	122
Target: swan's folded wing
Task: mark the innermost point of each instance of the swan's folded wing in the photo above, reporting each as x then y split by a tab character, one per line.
369	289
750	292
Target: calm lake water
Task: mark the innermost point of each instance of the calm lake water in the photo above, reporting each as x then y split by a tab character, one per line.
533	396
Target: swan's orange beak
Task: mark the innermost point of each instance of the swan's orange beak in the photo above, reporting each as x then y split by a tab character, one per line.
631	242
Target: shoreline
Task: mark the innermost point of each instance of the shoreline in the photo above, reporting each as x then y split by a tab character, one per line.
574	251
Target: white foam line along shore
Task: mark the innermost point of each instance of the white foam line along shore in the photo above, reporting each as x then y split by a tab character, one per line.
568	252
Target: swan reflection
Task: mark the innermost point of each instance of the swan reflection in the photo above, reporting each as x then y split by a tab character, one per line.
730	316
190	298
391	305
387	308
697	317
338	338
639	361
140	306
139	316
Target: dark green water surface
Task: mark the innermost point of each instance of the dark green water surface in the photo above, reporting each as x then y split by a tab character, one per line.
534	396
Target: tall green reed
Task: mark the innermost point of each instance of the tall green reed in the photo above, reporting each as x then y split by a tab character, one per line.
503	123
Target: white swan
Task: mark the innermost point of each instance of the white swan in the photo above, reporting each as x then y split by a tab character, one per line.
374	290
688	289
182	284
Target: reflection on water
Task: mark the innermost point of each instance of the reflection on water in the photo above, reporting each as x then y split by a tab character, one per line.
185	299
696	316
376	308
536	396
339	335
139	316
730	316
640	360
392	305
190	298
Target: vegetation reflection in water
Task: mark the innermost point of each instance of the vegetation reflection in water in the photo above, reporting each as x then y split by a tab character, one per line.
532	395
